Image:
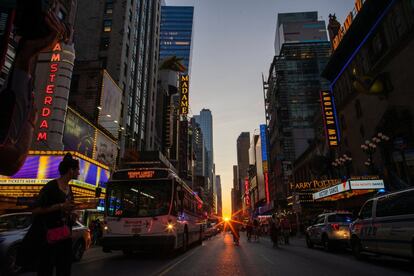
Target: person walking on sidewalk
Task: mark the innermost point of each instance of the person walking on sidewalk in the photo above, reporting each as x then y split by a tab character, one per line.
274	230
286	229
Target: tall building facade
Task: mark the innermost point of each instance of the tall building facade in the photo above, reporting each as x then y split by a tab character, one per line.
205	120
299	27
292	96
243	145
176	33
219	196
127	46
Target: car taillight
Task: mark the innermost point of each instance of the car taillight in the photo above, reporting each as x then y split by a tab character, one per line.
335	226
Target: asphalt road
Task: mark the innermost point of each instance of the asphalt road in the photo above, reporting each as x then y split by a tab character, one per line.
219	256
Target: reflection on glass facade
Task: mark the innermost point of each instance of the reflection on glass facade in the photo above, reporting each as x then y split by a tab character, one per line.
296	86
176	33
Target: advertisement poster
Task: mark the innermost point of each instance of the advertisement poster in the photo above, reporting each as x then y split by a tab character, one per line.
110	105
78	134
106	150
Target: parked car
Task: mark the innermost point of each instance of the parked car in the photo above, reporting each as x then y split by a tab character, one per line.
329	230
385	225
13	228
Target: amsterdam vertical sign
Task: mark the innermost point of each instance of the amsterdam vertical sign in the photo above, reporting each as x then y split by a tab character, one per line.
330	118
184	100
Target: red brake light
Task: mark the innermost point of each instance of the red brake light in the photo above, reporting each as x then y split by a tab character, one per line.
335	226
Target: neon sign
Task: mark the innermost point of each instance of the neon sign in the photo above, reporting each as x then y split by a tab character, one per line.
49	92
246	192
329	118
184	80
140	174
348	21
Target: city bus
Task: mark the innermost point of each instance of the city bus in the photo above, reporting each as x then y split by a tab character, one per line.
150	209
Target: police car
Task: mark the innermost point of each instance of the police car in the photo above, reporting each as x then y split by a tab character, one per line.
329	230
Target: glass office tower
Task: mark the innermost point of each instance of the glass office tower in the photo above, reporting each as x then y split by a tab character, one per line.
176	33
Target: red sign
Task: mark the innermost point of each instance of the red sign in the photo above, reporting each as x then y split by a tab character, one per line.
246	191
46	109
140	174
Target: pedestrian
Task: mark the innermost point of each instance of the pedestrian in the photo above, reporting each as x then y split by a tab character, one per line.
249	230
53	220
286	229
274	230
256	229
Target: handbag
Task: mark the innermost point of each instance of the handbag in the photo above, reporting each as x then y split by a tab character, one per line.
58	234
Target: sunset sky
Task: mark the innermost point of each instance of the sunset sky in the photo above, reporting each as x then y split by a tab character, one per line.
233	44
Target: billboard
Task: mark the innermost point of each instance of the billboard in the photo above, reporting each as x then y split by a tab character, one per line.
184	100
110	106
330	119
78	135
106	150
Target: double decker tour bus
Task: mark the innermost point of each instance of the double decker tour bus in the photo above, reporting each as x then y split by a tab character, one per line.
150	208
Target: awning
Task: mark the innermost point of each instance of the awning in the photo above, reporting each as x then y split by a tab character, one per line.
349	188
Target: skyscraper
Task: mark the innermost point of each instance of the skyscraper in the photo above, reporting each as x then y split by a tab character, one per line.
292	93
126	45
176	33
243	145
205	120
219	196
299	27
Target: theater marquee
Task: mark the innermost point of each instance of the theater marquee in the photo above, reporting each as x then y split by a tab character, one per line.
330	118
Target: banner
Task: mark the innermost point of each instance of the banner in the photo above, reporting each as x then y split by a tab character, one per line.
78	134
184	87
106	150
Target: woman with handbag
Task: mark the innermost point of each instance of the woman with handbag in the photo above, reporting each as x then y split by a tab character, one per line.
55	203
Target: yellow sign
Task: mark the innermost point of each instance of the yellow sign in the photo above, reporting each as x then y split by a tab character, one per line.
184	83
140	174
329	118
348	21
310	185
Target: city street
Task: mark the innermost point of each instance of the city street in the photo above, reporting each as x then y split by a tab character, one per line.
218	256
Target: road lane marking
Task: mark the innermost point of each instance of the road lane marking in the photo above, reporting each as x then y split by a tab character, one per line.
170	267
265	258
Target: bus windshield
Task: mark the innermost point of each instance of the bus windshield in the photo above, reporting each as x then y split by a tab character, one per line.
145	198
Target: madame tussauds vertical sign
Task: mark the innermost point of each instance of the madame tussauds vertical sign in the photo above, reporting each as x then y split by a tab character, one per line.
184	83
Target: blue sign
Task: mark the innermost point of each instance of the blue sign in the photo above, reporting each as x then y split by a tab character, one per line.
263	138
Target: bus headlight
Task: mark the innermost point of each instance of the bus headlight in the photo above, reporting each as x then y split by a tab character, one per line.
170	227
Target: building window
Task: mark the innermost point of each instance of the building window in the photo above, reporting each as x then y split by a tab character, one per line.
109	8
358	109
104	43
107	25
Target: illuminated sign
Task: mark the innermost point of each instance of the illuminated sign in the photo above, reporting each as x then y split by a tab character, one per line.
46	109
330	118
184	83
311	185
367	184
246	192
342	187
140	174
263	138
348	21
350	185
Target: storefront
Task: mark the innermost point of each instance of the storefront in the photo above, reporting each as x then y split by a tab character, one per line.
40	167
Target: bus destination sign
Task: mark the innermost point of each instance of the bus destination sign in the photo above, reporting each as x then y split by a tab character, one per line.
140	174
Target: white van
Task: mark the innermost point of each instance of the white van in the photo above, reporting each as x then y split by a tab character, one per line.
385	225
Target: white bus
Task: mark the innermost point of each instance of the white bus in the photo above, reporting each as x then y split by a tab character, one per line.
150	209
